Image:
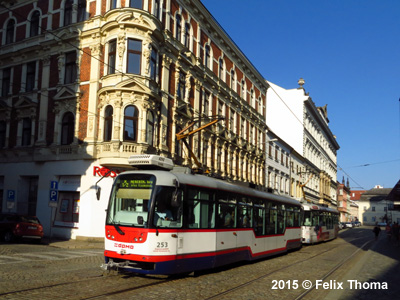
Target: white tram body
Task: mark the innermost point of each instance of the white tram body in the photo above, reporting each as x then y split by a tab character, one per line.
173	221
319	224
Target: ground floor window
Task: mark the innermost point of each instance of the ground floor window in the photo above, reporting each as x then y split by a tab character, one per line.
67	209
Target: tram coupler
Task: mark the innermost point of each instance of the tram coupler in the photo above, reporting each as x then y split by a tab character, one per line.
111	266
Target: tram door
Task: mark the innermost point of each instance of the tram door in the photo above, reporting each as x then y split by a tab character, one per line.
226	238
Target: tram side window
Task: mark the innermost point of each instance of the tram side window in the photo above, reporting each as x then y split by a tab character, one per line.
289	217
227	211
307	218
245	215
296	217
281	219
315	219
259	220
166	215
271	217
200	209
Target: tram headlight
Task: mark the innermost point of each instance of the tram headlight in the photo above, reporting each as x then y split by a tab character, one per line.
135	239
140	239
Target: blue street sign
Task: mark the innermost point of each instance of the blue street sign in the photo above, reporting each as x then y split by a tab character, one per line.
54	185
10	195
53	195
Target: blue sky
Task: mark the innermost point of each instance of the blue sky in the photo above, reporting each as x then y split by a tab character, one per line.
348	52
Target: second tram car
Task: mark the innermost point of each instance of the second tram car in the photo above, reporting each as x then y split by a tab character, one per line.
172	221
320	224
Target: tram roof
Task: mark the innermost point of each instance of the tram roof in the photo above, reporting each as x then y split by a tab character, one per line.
167	178
307	206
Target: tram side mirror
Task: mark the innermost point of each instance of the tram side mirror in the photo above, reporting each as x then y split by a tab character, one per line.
140	220
176	198
98	192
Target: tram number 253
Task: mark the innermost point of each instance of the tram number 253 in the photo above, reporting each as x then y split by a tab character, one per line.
162	244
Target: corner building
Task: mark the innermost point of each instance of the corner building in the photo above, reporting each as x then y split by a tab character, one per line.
86	84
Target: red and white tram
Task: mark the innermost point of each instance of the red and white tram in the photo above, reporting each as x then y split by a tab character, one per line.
320	224
172	221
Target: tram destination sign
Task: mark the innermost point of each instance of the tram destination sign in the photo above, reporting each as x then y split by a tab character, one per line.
137	184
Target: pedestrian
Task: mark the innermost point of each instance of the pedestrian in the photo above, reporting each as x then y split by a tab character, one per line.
388	230
395	232
376	231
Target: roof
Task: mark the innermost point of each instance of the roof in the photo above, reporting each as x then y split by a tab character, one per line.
375	195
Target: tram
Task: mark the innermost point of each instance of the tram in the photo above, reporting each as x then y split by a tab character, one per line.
166	220
320	224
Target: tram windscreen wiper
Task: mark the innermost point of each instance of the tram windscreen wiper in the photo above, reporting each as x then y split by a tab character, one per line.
118	229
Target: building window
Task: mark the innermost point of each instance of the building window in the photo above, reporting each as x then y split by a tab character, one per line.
10	32
113	4
156	11
207	56
187	35
373	208
108	123
35	19
153	65
81	10
67	129
206	105
3	127
5	84
178	28
233	80
134	56
68	12
181	86
112	54
26	131
70	67
136	4
30	76
243	89
150	128
221	69
130	123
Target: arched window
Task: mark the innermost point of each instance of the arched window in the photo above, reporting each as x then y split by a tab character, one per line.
207	55
35	19
68	12
108	123
26	131
136	4
131	123
178	28
150	128
10	32
67	128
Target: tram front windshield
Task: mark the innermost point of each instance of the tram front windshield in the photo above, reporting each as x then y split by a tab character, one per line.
131	203
310	218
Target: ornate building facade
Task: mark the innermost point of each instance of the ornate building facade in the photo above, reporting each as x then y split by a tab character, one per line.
86	84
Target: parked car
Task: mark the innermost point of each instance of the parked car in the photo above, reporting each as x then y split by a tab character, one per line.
341	225
382	224
14	226
348	224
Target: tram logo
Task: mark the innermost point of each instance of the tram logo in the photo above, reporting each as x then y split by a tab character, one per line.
123	246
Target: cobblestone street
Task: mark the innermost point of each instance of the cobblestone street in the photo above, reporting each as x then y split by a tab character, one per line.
70	270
